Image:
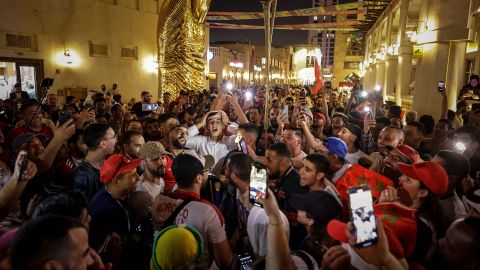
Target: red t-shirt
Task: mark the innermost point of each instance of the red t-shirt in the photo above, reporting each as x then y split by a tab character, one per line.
46	131
169	179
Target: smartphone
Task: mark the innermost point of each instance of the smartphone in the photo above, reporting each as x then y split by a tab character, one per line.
362	216
303	101
243	146
149	107
258	183
23	167
285	110
246	262
441	86
64	116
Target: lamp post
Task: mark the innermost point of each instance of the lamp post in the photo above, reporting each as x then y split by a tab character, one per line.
269	8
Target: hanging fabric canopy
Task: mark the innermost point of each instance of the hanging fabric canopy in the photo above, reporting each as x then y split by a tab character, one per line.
343	9
338	26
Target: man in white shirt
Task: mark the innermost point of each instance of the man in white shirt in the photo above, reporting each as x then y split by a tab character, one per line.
191	175
154	156
216	144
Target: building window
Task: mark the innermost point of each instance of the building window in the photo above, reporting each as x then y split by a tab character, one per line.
351	65
98	49
129	52
23	42
470	67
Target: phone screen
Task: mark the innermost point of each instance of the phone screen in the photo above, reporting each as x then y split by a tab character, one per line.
245	262
64	116
258	184
441	86
362	216
149	107
285	110
243	146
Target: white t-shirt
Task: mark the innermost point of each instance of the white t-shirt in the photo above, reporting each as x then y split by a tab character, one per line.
352	158
201	215
257	225
340	172
205	146
152	189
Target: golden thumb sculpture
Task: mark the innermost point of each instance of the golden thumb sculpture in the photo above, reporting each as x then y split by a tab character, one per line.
181	45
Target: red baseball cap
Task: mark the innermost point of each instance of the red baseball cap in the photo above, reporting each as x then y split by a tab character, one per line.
410	153
431	174
115	165
337	230
319	115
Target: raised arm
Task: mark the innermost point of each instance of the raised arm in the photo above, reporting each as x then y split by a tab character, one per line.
60	135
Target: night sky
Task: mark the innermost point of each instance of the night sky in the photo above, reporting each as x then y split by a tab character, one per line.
280	37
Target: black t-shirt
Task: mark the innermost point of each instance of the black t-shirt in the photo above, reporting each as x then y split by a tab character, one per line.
87	180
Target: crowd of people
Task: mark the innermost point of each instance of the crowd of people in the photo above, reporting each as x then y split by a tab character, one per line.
99	183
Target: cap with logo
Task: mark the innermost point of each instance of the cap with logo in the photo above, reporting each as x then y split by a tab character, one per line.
336	146
116	165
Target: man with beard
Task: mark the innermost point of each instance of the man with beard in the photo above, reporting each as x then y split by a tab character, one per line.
154	158
272	116
339	120
414	135
286	182
420	188
391	136
336	152
166	122
152	131
440	140
131	143
400	154
186	207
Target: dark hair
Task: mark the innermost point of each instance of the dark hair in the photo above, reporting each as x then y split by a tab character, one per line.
132	120
341	115
474	77
69	99
151	120
472	131
474	224
41	239
281	149
127	136
165	117
455	164
100	99
241	165
396	111
28	104
446	121
428	122
383	120
249	128
69	204
432	211
144	93
320	161
298	132
76	136
289	98
94	134
117	98
461	104
116	107
420	127
191	110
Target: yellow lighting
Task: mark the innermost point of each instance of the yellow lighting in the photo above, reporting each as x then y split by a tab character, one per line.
238	74
67	58
413	37
150	64
245	75
231	74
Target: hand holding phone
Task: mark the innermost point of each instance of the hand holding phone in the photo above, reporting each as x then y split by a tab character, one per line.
258	183
362	216
441	86
243	146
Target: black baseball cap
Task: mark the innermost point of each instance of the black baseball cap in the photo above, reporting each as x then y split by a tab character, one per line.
319	205
356	130
186	167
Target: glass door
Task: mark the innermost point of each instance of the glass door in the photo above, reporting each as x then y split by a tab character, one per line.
27	72
27	79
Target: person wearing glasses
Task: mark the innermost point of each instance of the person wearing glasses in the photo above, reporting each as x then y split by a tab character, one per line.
394	155
100	140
